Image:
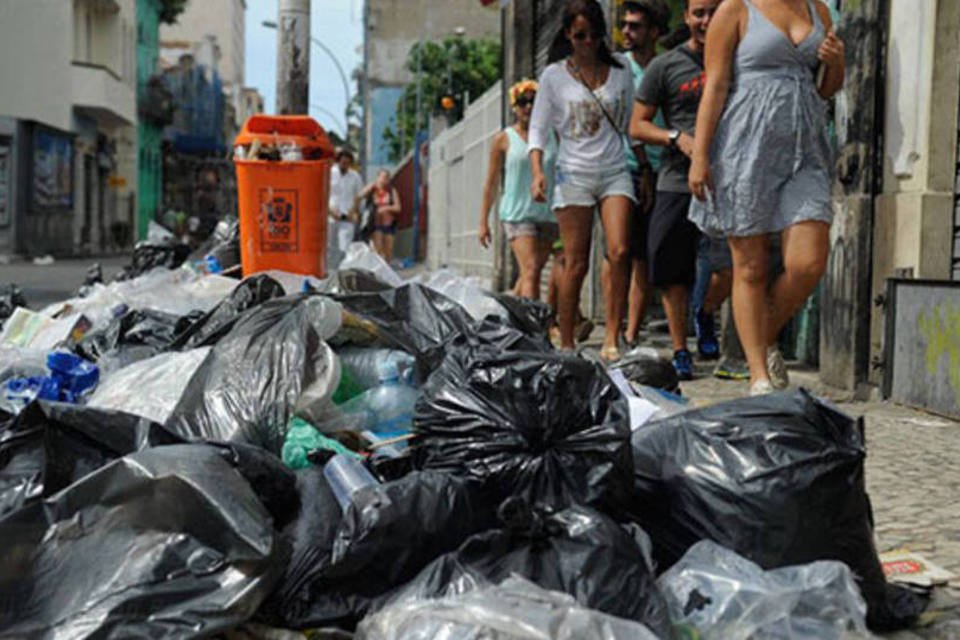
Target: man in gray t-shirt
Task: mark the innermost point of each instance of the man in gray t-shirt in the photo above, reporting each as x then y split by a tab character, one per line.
673	84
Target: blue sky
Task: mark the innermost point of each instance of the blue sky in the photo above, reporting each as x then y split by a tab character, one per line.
338	24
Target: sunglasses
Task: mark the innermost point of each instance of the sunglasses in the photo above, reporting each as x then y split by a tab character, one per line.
632	25
523	102
580	36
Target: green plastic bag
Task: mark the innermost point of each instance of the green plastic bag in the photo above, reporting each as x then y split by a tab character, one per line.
302	438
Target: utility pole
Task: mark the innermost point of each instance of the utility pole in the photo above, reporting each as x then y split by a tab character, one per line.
293	57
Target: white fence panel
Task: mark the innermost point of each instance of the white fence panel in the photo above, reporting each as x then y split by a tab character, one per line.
458	166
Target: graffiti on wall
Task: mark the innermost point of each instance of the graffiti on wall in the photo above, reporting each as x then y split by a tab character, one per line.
940	326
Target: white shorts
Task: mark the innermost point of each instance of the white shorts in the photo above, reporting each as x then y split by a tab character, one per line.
590	188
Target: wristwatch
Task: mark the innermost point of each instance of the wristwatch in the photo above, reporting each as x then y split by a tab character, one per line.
674	135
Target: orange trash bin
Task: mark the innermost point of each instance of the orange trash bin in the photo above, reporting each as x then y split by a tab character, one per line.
283	203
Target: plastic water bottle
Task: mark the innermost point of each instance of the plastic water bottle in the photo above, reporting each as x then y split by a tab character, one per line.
346	474
391	402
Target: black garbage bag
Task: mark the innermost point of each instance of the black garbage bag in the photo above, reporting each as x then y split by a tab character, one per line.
579	551
217	322
413	318
136	335
250	383
151	255
168	542
777	478
652	372
342	564
532	317
492	334
360	281
549	427
11	297
50	445
273	483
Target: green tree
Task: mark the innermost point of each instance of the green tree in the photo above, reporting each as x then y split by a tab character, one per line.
170	9
453	67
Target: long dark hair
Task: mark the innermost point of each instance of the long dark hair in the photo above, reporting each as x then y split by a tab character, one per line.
593	12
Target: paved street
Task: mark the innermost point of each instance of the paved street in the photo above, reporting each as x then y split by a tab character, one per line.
45	284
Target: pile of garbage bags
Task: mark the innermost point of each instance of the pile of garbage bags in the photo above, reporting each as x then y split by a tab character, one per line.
404	459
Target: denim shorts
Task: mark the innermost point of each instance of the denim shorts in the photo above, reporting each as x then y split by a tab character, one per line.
546	230
589	188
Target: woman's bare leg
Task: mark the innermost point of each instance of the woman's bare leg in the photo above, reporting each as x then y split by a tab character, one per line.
576	231
750	311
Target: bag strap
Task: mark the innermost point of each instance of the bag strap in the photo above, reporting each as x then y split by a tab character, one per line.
597	100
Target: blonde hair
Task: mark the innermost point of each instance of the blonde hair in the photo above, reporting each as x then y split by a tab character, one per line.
524	86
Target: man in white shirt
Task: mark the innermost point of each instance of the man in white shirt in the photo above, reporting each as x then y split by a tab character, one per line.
345	186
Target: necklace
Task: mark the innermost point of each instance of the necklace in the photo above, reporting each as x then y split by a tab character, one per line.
578	71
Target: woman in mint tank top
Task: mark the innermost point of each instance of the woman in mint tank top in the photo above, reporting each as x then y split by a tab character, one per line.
763	162
529	226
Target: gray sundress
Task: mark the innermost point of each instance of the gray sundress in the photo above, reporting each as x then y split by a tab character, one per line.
771	158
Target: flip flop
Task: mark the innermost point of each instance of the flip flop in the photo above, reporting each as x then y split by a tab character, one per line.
609	354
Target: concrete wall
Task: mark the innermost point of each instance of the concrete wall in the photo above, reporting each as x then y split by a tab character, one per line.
36	49
913	234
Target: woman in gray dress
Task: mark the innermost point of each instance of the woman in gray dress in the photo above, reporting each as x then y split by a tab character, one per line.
762	160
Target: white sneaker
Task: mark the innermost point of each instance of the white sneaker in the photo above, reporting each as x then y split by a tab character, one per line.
777	369
761	388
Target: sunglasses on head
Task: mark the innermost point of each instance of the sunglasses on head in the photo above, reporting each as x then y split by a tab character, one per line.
631	25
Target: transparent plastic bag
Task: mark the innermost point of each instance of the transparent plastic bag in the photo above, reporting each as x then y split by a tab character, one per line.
150	388
177	292
361	256
514	610
725	596
468	293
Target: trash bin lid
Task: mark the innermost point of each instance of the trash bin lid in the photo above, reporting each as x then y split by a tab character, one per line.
303	131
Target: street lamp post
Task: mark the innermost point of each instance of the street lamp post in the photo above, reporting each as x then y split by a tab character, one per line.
269	24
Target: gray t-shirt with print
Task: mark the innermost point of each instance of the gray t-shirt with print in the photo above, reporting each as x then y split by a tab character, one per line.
674	83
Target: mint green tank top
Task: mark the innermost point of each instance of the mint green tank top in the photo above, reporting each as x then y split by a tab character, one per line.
516	204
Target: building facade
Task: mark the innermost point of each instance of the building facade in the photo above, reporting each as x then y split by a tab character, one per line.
224	21
70	127
251	103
